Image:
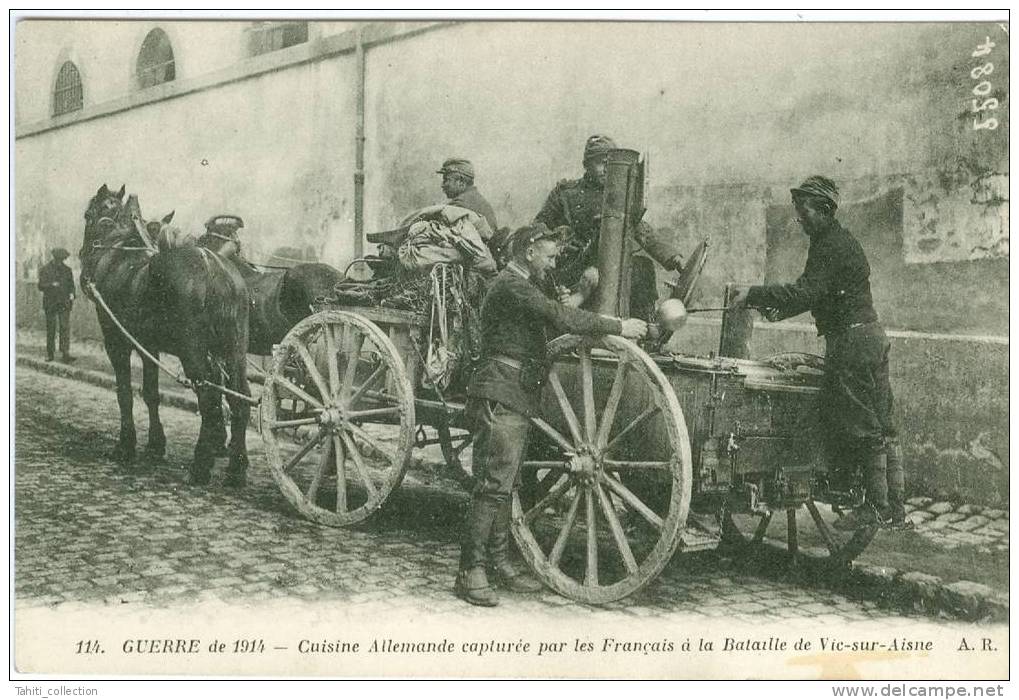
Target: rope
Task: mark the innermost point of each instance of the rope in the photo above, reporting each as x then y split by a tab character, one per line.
184	381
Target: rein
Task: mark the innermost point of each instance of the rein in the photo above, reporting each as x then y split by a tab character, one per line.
177	377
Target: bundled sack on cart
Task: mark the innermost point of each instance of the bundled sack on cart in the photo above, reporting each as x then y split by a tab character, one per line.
446	234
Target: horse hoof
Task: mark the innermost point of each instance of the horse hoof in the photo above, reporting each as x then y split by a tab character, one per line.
236	480
152	457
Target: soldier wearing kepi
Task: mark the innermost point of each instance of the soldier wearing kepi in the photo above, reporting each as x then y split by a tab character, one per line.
856	403
458	185
578	204
503	393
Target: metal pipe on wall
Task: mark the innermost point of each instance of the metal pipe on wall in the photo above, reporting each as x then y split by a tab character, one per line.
359	60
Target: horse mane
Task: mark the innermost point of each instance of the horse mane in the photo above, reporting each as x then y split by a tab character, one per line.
169	237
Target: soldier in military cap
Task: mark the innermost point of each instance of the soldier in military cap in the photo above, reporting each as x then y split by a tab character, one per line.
857	401
458	185
578	204
504	393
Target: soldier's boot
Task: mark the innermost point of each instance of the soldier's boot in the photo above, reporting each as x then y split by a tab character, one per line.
472	581
896	487
875	510
500	570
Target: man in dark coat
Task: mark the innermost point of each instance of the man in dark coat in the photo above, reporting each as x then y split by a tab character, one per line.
57	285
458	185
504	393
578	205
856	403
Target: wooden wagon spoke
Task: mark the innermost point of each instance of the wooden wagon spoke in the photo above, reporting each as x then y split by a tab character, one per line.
320	473
591	576
611	404
341	474
535	464
362	470
614	465
334	369
308	447
762	528
292	423
373	412
822	527
297	391
553	495
554	434
631	499
564	532
587	393
366	437
312	369
564	406
629	561
792	533
379	372
654	410
353	358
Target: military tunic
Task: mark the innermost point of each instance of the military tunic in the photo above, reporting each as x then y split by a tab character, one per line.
856	403
473	200
504	391
578	204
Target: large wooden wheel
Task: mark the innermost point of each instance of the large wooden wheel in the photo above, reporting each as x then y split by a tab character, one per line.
337	417
605	490
750	533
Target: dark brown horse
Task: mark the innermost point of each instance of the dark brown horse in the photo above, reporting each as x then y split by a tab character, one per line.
182	300
279	298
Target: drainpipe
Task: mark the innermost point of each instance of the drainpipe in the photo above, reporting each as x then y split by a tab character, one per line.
359	148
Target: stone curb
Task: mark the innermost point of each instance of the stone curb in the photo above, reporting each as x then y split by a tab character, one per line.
911	590
926	593
176	399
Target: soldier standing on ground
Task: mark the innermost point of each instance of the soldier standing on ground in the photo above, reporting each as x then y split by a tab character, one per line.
504	392
857	397
578	205
57	285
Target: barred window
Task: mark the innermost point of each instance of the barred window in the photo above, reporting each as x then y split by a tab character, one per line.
67	94
264	37
155	60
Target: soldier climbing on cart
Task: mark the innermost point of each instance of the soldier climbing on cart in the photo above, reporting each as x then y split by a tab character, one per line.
857	395
578	205
504	392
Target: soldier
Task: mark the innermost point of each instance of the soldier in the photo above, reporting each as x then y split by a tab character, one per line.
577	204
504	393
57	285
857	401
458	185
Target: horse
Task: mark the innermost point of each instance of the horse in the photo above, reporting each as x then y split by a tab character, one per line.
279	297
179	299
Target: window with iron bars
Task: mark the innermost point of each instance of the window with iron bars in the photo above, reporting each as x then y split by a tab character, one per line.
67	95
264	37
155	60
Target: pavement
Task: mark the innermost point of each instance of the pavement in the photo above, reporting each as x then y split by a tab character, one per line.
955	563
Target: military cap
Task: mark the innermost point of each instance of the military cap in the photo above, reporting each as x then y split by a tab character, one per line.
526	235
221	220
60	253
460	166
598	145
818	186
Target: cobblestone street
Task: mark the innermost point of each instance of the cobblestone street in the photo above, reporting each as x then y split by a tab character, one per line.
87	532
